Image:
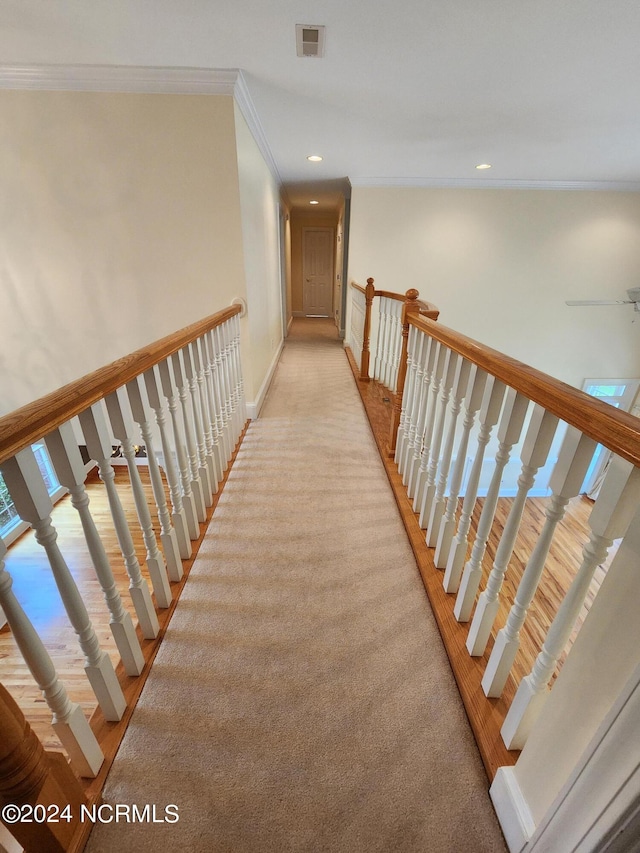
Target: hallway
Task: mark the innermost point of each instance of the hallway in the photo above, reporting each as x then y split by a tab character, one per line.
302	698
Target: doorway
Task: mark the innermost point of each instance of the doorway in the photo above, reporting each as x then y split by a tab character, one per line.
317	272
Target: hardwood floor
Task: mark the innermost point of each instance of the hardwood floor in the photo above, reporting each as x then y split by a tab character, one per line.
487	715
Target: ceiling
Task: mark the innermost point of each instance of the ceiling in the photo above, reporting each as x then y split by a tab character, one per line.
410	93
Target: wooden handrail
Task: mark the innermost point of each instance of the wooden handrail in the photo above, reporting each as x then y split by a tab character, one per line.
427	309
30	423
618	431
357	286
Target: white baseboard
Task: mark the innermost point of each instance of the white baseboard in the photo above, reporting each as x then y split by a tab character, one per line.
253	407
512	809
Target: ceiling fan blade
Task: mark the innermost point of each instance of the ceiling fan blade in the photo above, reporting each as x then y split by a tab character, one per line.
599	302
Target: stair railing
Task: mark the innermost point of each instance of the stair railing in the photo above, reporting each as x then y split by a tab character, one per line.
443	374
199	366
376	328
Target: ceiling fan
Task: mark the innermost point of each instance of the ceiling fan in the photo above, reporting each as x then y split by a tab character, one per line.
634	299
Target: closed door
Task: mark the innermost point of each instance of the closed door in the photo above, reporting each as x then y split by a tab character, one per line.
317	272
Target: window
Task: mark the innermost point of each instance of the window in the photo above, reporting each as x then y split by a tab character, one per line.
9	519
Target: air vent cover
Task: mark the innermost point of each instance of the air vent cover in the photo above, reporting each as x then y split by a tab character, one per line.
310	40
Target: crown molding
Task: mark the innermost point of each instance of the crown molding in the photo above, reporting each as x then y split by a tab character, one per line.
465	183
143	79
250	114
119	78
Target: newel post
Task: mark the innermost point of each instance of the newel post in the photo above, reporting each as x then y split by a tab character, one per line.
369	293
35	783
410	307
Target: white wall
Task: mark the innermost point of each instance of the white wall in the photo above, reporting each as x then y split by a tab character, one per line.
120	223
500	264
260	210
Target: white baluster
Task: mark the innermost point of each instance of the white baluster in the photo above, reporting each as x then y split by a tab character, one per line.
422	462
236	373
215	473
415	342
197	486
67	463
242	406
382	326
214	420
489	414
416	441
426	498
155	562
413	411
29	494
168	535
568	476
509	431
96	436
463	371
229	401
396	343
235	414
377	359
205	464
192	499
69	722
472	401
180	509
610	519
386	338
535	450
223	408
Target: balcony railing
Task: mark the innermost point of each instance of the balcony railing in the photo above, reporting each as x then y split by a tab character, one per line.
452	395
181	398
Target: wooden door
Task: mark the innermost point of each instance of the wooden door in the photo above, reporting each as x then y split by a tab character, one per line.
317	272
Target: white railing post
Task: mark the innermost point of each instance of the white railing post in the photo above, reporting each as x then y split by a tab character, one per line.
537	443
29	494
421	378
155	562
509	431
69	723
422	437
421	465
67	463
412	383
610	518
423	503
489	414
168	535
179	514
205	463
463	371
568	475
223	403
96	436
215	471
192	496
473	400
217	445
242	406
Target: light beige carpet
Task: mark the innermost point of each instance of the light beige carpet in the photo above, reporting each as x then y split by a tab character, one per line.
302	699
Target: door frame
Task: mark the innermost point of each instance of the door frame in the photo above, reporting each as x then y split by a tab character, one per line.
331	229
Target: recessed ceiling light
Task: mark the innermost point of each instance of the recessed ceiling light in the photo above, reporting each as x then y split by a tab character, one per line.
484	166
314	202
314	158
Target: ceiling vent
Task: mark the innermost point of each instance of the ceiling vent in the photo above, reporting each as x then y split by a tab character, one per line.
309	40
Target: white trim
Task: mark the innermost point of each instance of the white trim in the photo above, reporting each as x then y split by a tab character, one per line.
512	809
120	78
254	407
144	79
466	183
250	115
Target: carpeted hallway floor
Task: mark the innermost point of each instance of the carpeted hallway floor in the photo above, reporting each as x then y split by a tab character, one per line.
302	699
